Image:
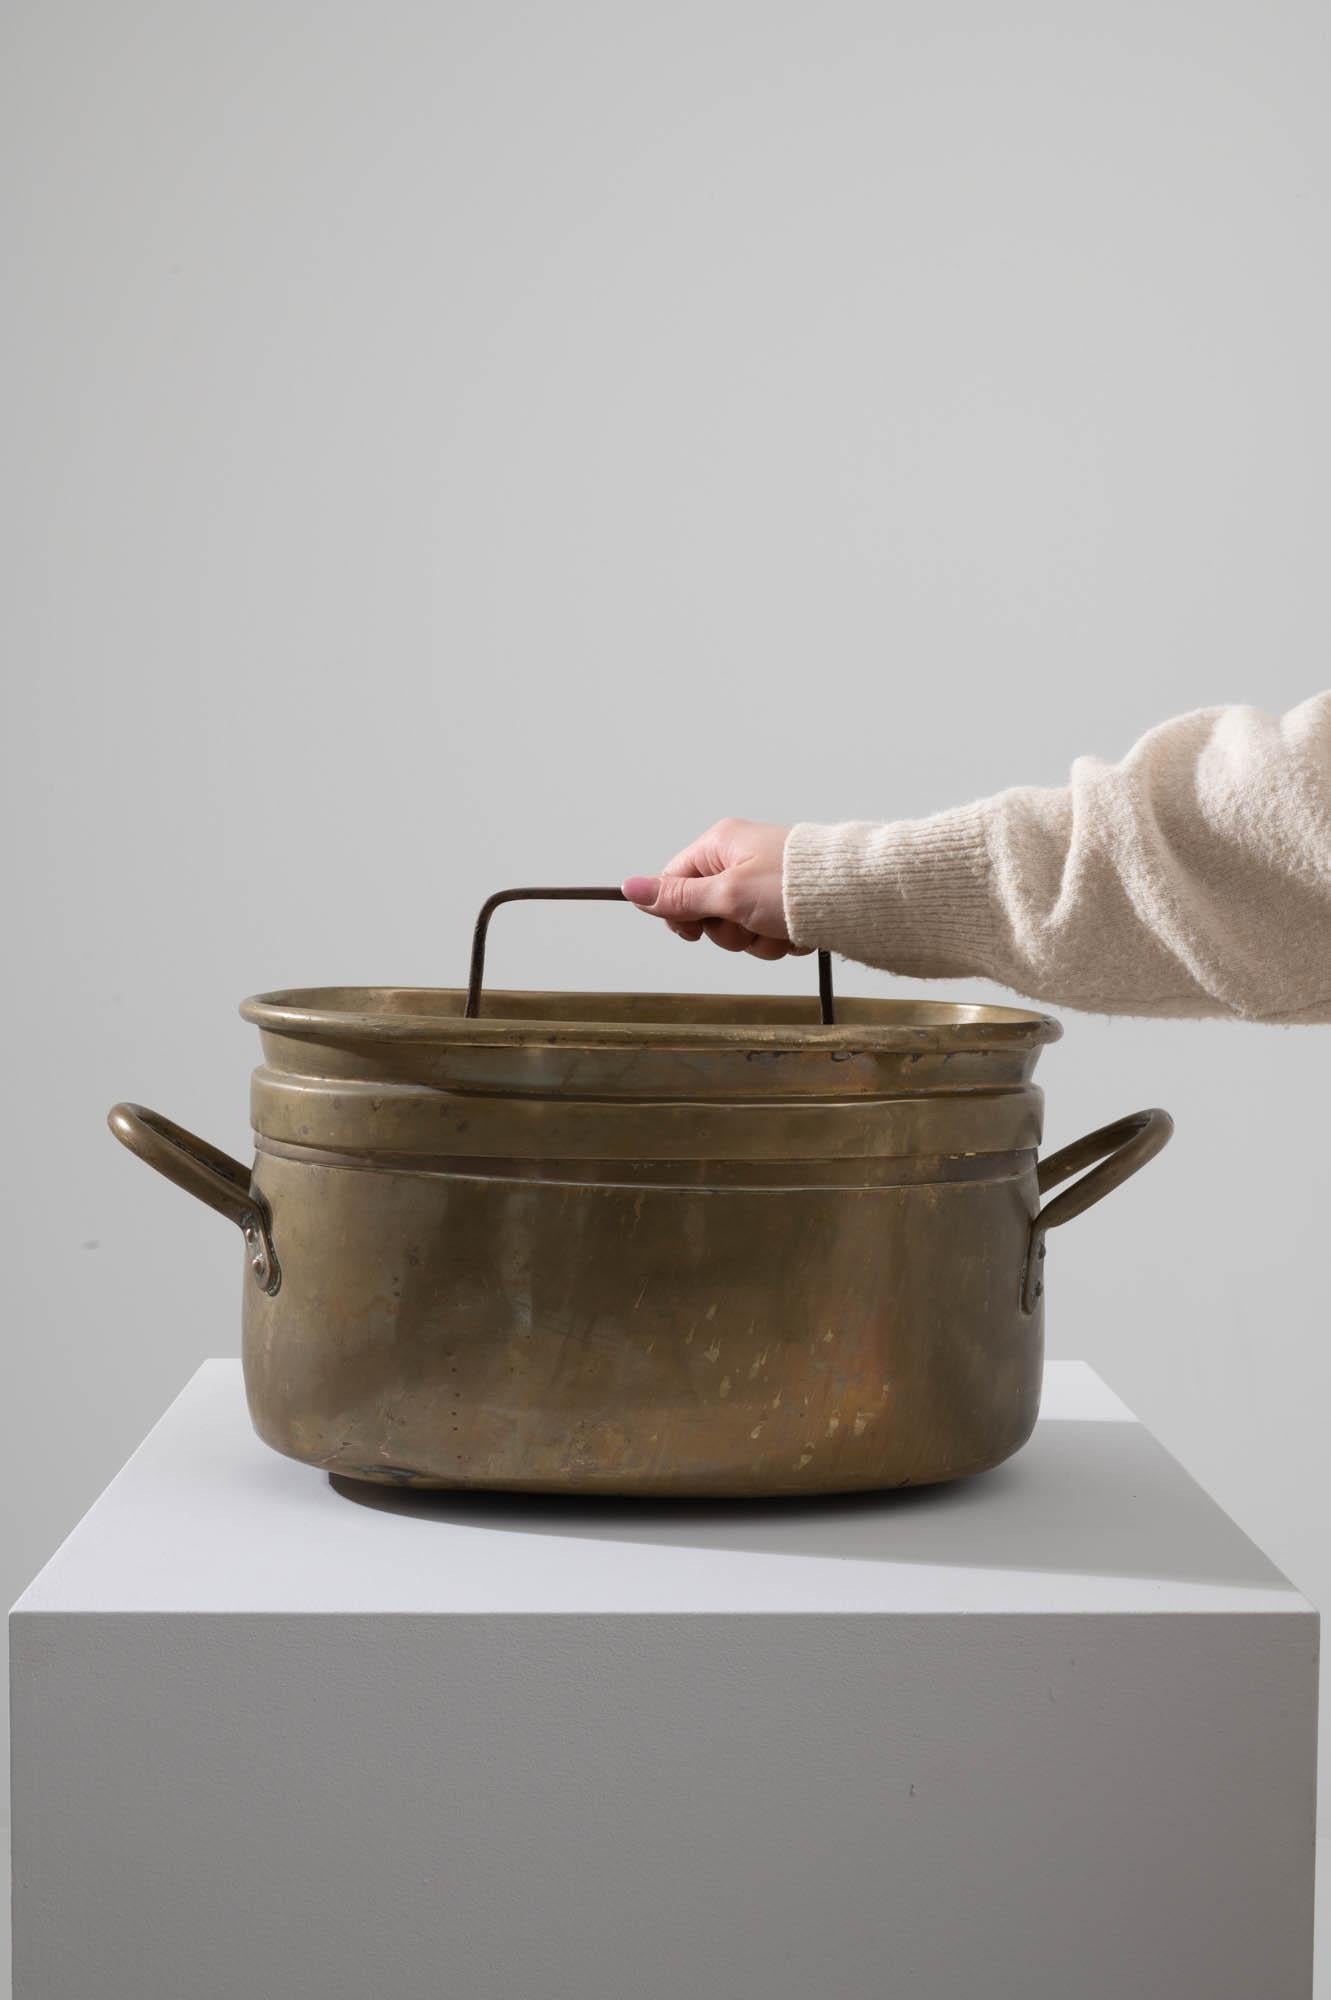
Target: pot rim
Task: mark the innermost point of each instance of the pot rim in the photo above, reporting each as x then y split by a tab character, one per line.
517	1018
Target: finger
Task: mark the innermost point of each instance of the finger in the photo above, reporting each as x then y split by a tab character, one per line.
688	928
684	898
730	936
768	949
710	854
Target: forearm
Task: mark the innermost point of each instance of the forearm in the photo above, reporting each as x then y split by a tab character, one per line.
1192	878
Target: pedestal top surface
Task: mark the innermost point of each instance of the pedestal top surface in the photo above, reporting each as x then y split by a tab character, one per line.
1093	1516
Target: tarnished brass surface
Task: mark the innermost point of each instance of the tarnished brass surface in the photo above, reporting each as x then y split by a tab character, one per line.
653	1244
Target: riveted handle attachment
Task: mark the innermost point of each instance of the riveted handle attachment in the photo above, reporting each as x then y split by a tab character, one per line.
212	1176
1121	1149
826	1002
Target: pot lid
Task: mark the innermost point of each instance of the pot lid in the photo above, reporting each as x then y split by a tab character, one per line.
449	1017
514	1019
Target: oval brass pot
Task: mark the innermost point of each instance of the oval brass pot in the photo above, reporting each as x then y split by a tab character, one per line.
644	1244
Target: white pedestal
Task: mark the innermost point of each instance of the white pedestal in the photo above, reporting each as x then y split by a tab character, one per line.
1048	1733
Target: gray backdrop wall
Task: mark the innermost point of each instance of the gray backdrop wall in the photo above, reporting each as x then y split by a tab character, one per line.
455	444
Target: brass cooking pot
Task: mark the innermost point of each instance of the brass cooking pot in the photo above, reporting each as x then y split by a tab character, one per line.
643	1243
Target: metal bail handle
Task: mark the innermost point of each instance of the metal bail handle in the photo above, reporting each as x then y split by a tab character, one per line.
826	1000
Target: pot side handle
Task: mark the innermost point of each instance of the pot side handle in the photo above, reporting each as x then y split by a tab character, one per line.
1120	1149
202	1170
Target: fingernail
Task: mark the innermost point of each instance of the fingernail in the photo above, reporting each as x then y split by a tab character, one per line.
641	888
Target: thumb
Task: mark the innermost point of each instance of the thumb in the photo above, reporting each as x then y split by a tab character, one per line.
686	897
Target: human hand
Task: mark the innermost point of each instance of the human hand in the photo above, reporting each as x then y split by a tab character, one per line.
726	886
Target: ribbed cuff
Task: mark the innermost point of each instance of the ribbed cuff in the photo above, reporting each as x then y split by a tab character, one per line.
915	897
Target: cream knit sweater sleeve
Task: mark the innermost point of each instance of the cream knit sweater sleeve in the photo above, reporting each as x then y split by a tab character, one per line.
1192	878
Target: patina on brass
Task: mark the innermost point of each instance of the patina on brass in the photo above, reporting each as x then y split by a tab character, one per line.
644	1243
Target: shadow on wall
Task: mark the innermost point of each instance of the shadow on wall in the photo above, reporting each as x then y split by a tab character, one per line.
1058	1506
